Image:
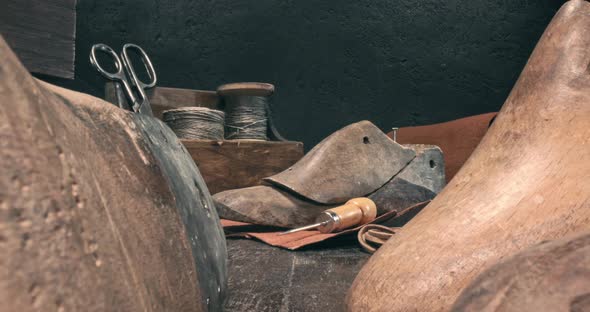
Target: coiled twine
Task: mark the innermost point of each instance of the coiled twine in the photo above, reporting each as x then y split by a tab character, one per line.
246	117
196	123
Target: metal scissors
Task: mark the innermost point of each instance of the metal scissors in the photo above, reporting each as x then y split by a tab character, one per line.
125	75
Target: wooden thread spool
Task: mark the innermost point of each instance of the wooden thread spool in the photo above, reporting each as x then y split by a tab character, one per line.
196	123
246	109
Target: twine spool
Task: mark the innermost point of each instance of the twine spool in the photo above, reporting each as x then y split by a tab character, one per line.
195	123
246	110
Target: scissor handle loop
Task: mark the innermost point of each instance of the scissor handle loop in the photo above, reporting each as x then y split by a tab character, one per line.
118	75
147	63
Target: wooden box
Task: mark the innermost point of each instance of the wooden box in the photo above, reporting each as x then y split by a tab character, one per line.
226	164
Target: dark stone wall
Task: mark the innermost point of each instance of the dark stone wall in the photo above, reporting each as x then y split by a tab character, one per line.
396	63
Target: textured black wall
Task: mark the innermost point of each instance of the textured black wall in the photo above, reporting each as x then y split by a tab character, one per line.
396	63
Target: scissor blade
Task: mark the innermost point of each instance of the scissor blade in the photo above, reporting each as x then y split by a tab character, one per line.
122	100
144	108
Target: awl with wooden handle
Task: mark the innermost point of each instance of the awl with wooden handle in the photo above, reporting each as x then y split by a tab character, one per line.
357	211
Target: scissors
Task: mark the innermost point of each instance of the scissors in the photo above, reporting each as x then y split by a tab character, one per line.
125	75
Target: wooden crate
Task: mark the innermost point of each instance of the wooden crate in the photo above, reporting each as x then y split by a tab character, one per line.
238	163
227	164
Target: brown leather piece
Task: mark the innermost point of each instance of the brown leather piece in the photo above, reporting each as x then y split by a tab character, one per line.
90	219
267	205
552	276
297	240
373	236
457	138
352	162
524	183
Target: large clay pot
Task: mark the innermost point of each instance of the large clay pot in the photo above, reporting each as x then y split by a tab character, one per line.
101	209
526	182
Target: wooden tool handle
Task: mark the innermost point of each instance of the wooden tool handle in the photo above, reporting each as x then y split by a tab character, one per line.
355	212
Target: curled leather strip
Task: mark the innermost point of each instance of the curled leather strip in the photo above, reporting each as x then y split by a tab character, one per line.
372	235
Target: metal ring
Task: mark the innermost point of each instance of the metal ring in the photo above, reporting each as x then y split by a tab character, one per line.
108	50
147	63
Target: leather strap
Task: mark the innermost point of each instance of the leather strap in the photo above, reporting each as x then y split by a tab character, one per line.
372	236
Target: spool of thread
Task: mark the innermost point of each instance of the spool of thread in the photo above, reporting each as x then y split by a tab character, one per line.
196	123
246	109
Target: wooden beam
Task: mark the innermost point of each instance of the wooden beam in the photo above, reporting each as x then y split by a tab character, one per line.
42	34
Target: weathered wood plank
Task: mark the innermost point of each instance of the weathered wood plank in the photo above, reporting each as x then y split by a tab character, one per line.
42	34
265	278
236	164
